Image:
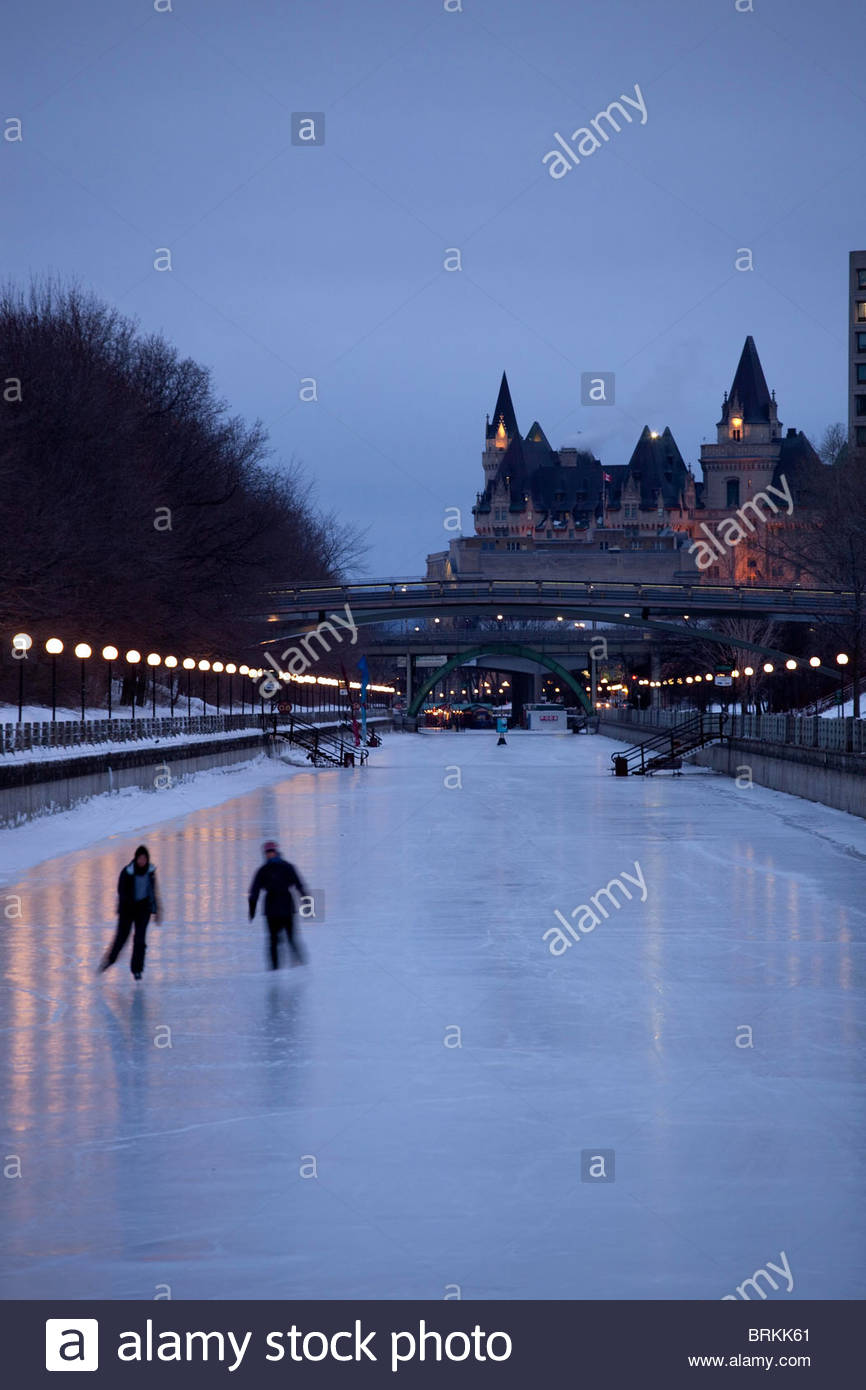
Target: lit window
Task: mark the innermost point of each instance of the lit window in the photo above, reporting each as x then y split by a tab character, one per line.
861	310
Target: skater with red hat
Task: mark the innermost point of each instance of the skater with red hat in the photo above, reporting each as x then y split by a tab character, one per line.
276	878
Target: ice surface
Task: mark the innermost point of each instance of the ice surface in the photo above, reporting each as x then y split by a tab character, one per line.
442	864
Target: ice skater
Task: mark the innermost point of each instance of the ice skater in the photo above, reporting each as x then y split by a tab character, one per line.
137	901
276	878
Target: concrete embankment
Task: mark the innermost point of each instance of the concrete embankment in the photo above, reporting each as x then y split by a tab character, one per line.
831	778
834	779
38	786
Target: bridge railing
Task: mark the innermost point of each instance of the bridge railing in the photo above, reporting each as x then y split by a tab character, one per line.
315	597
801	731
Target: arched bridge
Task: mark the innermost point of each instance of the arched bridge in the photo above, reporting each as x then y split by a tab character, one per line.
298	611
377	601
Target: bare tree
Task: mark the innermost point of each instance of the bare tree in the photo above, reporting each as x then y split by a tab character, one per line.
697	654
135	507
832	442
828	550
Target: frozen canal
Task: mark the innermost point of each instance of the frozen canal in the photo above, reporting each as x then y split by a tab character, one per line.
190	1167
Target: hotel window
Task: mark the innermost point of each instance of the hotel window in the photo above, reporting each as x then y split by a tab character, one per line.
732	492
861	435
861	279
861	371
861	405
861	310
861	342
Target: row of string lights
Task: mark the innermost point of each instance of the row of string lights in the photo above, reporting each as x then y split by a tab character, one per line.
22	645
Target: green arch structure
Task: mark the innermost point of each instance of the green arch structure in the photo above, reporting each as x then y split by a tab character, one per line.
498	649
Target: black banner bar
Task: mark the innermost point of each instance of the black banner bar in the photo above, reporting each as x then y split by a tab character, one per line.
618	1346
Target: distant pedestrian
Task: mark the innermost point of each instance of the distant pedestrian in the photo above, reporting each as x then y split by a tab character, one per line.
276	878
137	901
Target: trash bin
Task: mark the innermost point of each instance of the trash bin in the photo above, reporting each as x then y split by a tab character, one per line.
620	767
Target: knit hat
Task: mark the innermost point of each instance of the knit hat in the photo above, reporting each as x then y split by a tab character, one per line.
270	845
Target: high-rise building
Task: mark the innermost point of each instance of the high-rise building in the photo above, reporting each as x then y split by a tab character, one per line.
857	350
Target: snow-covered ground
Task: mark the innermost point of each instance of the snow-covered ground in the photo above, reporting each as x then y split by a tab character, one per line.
132	808
408	1112
35	714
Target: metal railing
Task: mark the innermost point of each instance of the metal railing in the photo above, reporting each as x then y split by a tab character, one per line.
796	731
76	733
71	733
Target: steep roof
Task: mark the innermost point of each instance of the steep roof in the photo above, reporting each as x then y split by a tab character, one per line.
799	469
504	408
749	387
657	466
536	435
574	489
514	471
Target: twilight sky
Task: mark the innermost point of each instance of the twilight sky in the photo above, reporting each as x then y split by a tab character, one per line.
145	129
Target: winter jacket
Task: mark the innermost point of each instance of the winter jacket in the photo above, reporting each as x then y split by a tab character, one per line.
126	896
275	879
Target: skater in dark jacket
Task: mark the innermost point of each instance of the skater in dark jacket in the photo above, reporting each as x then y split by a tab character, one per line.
136	903
276	878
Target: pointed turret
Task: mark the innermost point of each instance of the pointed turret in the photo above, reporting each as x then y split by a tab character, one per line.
503	426
749	410
749	393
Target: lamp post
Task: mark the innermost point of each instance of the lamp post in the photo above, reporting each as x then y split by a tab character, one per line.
189	667
230	670
109	654
243	671
171	662
749	672
218	666
133	657
153	660
842	662
815	661
54	647
83	651
204	667
21	644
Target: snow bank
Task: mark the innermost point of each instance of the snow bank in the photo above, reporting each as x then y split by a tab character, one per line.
133	808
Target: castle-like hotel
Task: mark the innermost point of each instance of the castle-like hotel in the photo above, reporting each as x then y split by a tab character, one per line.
547	513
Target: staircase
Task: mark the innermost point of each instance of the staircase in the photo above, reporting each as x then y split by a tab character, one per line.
334	747
666	749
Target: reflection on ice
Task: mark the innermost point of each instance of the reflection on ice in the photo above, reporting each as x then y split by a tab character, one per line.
224	1131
